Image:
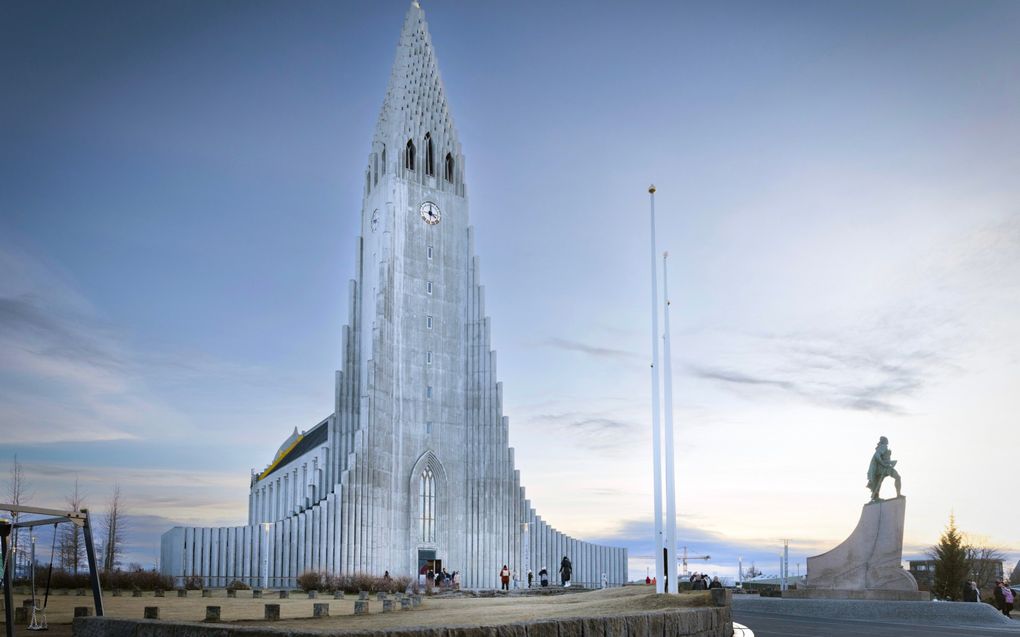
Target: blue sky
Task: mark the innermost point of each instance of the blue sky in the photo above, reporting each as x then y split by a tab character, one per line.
179	194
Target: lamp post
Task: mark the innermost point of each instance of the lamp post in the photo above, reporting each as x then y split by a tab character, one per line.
667	354
265	554
660	562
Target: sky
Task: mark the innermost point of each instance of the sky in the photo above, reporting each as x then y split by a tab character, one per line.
180	187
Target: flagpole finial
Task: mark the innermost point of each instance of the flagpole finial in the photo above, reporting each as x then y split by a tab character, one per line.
651	189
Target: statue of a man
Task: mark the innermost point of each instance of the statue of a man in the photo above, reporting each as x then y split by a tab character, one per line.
882	466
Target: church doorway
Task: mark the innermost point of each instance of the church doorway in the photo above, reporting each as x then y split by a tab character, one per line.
428	563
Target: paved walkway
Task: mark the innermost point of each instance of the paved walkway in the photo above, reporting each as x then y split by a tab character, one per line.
769	625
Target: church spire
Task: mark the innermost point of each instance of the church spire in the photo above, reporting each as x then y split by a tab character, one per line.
415	116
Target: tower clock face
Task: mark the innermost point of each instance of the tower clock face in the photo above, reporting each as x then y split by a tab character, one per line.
430	213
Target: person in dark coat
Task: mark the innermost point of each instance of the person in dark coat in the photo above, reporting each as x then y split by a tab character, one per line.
566	570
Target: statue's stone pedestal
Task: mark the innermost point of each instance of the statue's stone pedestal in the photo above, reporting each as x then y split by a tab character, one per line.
868	564
872	594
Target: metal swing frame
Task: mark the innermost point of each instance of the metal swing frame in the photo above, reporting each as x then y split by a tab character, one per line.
55	517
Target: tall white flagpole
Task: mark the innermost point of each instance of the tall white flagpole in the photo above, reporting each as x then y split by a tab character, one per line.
670	472
656	435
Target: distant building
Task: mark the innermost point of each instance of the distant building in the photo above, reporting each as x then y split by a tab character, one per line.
984	572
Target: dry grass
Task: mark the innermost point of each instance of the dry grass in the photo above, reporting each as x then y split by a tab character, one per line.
435	611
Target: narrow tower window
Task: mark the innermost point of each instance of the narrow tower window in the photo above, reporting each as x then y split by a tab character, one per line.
428	253
409	155
428	322
428	358
427	493
428	392
375	173
428	287
449	168
430	168
384	159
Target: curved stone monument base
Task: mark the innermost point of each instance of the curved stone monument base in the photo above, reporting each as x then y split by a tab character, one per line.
868	564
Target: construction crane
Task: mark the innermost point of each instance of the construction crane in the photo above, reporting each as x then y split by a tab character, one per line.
684	557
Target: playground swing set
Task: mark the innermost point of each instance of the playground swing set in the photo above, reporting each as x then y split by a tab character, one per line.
55	517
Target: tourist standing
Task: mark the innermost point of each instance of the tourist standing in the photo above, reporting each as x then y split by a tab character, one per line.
1000	597
715	583
531	576
504	578
605	582
1004	597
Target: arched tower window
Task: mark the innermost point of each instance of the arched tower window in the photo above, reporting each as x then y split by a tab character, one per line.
449	168
384	159
375	172
409	155
430	167
427	495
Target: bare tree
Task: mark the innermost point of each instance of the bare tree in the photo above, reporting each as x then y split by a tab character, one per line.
985	564
752	572
114	528
17	494
72	545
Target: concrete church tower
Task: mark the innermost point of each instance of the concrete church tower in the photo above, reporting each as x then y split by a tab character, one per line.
413	468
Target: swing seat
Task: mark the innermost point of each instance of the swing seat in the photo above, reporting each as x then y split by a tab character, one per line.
35	624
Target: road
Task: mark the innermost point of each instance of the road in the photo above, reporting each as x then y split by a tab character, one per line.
768	625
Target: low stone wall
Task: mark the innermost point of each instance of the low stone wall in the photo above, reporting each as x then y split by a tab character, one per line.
694	622
918	613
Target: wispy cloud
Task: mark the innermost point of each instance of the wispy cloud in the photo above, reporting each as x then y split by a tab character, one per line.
591	350
596	432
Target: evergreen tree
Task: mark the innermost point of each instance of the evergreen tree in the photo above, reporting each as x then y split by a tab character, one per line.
952	563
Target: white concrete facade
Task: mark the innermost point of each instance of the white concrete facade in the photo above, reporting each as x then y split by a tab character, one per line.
414	460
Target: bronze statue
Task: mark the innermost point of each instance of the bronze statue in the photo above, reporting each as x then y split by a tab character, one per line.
882	466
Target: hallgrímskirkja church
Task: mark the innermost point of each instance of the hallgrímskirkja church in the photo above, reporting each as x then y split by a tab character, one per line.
412	469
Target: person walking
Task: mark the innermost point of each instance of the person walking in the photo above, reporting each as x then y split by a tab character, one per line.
605	581
715	583
566	570
531	576
504	578
543	577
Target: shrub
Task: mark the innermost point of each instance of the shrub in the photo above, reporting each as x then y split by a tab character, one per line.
194	583
238	585
135	580
311	581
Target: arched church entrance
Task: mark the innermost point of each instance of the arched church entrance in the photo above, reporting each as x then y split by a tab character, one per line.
428	515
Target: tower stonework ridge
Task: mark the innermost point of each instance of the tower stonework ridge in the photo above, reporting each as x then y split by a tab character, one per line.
412	470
